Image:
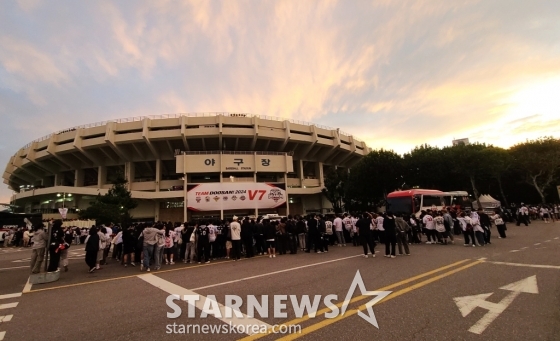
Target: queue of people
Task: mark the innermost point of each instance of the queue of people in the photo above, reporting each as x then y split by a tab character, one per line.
155	244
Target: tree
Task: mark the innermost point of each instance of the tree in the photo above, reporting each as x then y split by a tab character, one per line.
335	184
538	162
426	167
112	207
498	161
378	173
468	161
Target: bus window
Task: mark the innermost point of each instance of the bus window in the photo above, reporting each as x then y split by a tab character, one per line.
417	200
430	201
399	204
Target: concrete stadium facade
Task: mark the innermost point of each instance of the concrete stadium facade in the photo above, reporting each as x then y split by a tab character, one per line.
70	167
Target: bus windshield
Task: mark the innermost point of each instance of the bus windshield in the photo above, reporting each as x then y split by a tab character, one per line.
400	204
430	201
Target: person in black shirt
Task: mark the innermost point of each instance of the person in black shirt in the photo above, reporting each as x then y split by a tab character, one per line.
365	234
390	235
92	247
313	235
57	238
129	243
247	237
258	234
486	225
203	244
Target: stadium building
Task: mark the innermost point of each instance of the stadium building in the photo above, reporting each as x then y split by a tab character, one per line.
184	166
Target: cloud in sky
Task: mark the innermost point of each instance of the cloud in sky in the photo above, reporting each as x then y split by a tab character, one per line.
395	74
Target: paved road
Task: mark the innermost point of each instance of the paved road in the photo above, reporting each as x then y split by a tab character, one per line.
428	287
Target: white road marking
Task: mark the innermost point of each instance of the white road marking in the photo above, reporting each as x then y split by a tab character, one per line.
15	267
537	244
6	318
556	237
174	289
273	273
27	287
2	334
528	265
525	247
514	251
8	305
17	294
467	304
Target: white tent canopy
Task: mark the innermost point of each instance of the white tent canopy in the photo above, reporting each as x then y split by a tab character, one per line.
487	202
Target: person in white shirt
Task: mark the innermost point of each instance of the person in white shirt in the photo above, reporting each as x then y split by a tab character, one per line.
380	229
235	228
348	225
500	222
466	225
478	230
338	230
355	237
428	222
544	213
523	215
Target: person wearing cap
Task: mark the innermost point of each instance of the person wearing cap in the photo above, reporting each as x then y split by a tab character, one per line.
235	228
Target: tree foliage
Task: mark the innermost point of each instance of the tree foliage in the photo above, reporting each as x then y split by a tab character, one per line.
378	173
335	185
508	174
112	207
538	162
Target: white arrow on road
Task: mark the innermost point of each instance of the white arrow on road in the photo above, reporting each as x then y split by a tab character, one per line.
467	304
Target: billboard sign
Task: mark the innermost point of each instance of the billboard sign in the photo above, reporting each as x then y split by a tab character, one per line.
232	196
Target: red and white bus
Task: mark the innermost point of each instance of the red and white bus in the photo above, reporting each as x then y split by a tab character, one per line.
416	200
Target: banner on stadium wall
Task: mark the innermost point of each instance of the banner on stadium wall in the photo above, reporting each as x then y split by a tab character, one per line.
63	212
232	196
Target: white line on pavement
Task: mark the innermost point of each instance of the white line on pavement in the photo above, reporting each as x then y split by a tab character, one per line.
27	287
8	305
274	273
528	265
17	294
537	244
525	247
514	251
6	318
2	334
174	289
15	267
556	237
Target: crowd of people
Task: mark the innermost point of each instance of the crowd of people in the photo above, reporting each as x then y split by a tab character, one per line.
154	244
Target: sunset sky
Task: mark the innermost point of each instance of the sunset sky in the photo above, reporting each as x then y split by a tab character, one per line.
395	74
